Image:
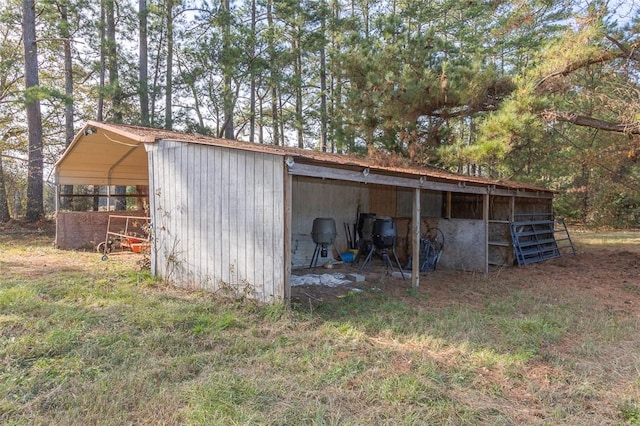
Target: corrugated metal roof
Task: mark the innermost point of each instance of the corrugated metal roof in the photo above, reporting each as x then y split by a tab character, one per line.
101	136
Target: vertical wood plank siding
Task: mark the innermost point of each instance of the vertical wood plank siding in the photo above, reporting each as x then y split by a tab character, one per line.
218	219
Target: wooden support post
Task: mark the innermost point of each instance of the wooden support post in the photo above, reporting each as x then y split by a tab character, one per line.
512	209
448	206
415	254
288	201
485	218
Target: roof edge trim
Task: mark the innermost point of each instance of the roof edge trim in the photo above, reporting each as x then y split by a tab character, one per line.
122	132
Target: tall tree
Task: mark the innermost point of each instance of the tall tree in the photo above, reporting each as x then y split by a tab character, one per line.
115	90
102	25
323	78
4	203
11	90
296	28
116	94
273	73
35	200
168	117
64	26
253	76
227	70
143	76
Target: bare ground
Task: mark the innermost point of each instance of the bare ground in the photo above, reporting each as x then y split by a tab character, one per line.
609	272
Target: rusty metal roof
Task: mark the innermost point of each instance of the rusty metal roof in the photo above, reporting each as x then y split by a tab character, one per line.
116	149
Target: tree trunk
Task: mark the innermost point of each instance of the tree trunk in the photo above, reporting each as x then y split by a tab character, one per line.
4	203
335	116
273	76
112	56
227	70
35	201
119	200
155	86
143	77
261	110
103	62
168	118
96	198
114	85
252	88
65	34
323	83
297	69
282	138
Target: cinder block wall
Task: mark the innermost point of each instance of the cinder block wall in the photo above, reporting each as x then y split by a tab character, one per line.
84	230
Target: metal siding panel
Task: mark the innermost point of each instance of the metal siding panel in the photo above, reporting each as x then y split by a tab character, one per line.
160	176
217	195
192	171
241	228
174	205
267	230
163	194
277	184
235	202
152	208
252	223
222	212
259	223
203	216
179	218
223	186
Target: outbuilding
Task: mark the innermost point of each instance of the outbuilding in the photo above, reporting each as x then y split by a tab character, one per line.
235	216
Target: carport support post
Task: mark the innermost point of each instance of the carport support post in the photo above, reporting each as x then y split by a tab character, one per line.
415	255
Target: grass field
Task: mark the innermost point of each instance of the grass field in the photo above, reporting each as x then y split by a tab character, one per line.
89	342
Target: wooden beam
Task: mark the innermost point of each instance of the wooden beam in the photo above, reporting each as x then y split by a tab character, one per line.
288	202
485	218
415	255
512	209
366	176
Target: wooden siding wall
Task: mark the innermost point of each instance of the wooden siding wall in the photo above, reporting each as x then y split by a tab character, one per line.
431	203
218	217
383	200
533	205
314	198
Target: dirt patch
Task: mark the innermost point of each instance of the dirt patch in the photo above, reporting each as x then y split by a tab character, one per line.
610	275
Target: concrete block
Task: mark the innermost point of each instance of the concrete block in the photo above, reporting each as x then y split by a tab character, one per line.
357	277
397	274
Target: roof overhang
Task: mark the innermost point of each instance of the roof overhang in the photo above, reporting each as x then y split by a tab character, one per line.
104	155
